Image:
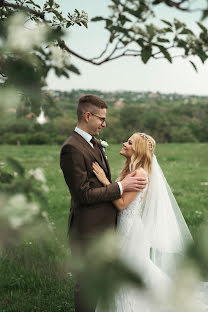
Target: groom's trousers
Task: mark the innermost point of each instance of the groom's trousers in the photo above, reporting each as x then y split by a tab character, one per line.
81	302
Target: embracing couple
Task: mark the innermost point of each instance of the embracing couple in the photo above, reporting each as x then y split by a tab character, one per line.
140	206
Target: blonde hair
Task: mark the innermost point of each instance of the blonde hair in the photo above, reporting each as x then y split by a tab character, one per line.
143	147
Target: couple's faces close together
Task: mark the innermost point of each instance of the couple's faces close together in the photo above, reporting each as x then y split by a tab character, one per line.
97	121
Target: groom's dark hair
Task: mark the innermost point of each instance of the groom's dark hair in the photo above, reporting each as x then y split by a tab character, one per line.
89	103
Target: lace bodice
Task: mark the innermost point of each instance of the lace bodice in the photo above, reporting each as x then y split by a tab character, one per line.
127	216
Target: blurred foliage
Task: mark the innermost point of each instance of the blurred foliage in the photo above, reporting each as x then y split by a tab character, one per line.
16	181
30	36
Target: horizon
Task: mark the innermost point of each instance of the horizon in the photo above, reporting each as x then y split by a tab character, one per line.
134	91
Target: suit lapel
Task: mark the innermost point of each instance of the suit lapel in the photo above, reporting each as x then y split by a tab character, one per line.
88	147
105	160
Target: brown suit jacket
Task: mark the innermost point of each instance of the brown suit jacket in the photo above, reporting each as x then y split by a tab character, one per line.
91	202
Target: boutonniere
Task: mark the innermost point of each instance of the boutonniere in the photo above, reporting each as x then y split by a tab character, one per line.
104	144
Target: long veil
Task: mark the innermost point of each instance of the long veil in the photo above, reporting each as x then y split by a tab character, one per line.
164	224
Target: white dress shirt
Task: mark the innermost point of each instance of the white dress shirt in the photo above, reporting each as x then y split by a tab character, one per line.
88	137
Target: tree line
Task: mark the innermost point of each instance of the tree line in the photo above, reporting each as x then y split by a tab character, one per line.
167	118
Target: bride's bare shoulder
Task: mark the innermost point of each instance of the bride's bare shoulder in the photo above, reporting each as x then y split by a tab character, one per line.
141	172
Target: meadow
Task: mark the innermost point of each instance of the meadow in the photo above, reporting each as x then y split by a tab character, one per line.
31	278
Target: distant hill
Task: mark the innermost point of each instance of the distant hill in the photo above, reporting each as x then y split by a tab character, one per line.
127	97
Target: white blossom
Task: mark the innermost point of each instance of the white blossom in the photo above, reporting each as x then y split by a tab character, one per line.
16	222
18	211
9	97
78	18
136	29
28	243
51	225
84	16
23	39
204	183
184	290
59	57
37	174
45	188
45	215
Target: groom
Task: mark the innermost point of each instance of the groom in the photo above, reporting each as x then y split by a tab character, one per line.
92	211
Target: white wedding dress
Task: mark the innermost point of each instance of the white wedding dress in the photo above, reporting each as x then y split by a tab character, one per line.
152	236
135	251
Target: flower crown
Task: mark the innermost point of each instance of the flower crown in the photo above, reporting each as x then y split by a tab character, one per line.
150	141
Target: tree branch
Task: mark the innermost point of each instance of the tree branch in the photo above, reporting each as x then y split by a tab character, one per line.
23	8
172	3
104	51
63	45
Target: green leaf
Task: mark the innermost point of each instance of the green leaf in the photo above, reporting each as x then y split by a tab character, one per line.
16	166
76	11
156	2
162	40
186	31
202	55
194	66
140	41
32	2
181	44
108	22
120	29
58	15
123	19
5	177
202	27
146	54
125	42
137	13
204	15
150	30
204	37
112	37
165	53
73	69
84	24
178	24
166	22
50	2
167	29
64	73
97	19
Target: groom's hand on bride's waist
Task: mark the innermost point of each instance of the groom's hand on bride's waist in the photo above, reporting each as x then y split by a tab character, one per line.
133	183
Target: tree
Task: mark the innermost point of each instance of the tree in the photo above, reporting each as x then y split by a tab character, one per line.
31	40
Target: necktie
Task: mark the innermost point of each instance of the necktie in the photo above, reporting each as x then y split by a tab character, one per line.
96	148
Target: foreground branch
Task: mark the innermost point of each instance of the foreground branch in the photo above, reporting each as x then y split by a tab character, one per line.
23	8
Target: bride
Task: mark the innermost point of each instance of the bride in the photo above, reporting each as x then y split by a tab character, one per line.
151	229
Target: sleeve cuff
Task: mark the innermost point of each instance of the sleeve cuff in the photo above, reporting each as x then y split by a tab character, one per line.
120	187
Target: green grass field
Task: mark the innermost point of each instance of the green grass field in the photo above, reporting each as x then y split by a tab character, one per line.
30	278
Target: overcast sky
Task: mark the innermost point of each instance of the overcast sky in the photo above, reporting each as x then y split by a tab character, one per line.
126	73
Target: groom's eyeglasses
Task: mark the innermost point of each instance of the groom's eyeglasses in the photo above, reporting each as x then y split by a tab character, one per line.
102	119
